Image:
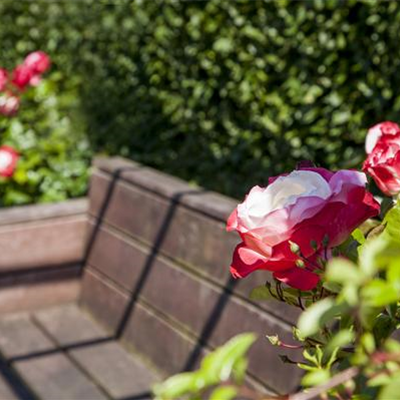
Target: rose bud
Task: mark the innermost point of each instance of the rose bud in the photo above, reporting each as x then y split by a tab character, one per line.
9	104
22	76
3	79
38	62
312	207
383	160
8	161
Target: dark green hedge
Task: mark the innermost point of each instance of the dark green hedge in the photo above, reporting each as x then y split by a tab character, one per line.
223	93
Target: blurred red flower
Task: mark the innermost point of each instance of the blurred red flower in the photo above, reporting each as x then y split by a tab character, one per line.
8	161
9	104
3	79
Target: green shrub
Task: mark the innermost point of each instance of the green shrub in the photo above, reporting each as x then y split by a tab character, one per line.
223	93
54	153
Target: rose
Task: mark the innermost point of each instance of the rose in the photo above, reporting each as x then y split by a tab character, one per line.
387	129
30	71
383	161
311	209
9	104
22	76
38	62
8	161
3	79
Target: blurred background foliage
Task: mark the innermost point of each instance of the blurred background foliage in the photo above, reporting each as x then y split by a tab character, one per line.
221	93
49	136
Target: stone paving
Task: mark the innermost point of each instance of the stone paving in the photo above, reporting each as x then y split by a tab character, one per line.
62	354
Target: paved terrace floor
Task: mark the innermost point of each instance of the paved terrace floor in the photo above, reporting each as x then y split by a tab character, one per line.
62	354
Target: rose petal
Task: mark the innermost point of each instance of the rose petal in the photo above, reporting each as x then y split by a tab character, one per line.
245	261
298	278
232	222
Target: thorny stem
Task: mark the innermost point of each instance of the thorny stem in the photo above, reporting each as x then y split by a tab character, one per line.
316	342
300	303
320	391
337	380
270	291
357	325
279	291
290	346
315	393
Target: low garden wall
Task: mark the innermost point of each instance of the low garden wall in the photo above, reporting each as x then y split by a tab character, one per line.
148	256
41	253
157	274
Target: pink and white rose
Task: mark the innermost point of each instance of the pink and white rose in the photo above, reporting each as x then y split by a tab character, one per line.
312	207
38	62
388	130
8	161
383	161
9	104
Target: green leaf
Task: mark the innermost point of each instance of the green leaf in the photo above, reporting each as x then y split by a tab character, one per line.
370	255
350	294
239	370
317	315
379	293
392	220
310	356
380	380
392	389
218	365
368	342
368	315
342	271
223	393
332	287
386	205
393	272
342	338
392	346
358	235
297	334
260	293
383	327
364	396
316	377
223	45
350	248
178	385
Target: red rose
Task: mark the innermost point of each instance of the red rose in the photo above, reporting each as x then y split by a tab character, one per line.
387	129
383	161
8	161
312	207
3	79
30	71
9	104
22	76
38	62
